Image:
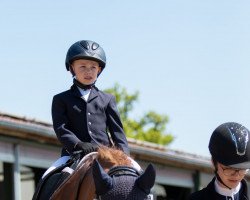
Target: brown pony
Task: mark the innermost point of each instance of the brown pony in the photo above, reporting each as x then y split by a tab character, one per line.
106	175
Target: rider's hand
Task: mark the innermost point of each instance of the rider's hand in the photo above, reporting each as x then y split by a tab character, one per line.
86	147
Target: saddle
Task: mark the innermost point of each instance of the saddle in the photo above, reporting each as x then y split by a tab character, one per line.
69	175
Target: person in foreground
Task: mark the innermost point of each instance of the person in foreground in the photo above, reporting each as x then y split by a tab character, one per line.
83	114
230	150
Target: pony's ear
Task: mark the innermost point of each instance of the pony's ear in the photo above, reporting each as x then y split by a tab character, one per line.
147	179
103	182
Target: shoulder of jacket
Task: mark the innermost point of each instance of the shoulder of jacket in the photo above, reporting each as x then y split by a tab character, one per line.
104	94
61	94
205	193
198	195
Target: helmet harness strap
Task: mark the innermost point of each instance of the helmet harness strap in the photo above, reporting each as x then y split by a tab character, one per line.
72	71
82	86
219	179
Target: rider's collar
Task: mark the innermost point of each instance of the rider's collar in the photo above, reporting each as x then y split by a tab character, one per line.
225	191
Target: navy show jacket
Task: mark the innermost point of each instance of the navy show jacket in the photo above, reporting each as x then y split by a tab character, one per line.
76	120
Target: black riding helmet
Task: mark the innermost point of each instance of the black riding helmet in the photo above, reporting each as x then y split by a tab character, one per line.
230	145
85	49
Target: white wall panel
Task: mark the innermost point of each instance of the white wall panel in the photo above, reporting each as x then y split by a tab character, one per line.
6	152
38	156
172	176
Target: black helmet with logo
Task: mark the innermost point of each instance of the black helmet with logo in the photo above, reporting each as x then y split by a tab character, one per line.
230	145
85	49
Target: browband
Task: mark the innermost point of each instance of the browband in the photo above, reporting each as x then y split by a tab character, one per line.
123	170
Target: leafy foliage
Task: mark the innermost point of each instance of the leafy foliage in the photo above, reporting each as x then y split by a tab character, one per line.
150	127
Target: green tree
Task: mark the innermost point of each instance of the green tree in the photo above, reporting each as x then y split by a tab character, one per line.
150	127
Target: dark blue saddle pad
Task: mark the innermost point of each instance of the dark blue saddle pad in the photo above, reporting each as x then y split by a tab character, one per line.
49	184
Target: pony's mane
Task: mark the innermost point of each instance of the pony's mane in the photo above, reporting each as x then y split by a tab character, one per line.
109	157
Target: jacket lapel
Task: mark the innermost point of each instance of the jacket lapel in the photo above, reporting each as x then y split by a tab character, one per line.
245	189
93	94
75	91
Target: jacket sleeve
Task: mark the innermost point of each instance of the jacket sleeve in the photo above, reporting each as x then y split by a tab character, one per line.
61	124
115	126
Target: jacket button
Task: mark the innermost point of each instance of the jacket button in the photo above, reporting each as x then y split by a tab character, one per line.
89	113
90	132
89	123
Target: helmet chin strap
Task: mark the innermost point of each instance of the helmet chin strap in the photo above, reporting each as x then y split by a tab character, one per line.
83	86
219	179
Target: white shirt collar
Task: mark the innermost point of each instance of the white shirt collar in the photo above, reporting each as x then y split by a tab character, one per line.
84	93
225	191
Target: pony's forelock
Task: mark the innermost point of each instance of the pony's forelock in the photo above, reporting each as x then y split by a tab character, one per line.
109	157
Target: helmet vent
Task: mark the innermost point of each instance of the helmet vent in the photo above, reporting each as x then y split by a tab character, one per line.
85	45
240	138
95	46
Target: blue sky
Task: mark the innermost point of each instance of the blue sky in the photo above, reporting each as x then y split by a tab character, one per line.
188	59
